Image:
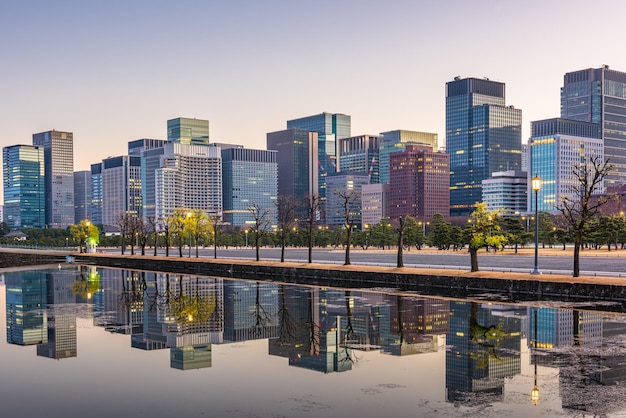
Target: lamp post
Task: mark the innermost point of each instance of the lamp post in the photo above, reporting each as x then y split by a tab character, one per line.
246	234
189	233
366	227
536	186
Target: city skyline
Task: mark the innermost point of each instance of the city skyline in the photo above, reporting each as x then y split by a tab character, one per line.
113	72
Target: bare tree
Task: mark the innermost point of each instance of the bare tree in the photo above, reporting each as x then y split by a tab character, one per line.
121	221
143	233
166	225
261	217
286	211
400	260
350	203
580	208
151	221
313	203
215	222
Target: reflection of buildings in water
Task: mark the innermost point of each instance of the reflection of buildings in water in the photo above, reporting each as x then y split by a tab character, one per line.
192	357
26	321
151	337
483	350
250	310
119	306
61	313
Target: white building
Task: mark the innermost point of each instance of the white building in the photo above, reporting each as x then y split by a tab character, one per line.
506	192
374	203
121	187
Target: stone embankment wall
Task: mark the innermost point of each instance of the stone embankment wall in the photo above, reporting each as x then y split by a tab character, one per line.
19	258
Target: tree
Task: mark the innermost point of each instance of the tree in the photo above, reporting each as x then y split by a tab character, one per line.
213	222
121	220
286	212
484	231
580	207
440	232
4	228
177	227
84	231
313	204
152	222
349	201
261	218
399	259
515	232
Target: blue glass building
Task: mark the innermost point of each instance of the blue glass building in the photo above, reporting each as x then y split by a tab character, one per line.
96	193
24	190
188	131
482	136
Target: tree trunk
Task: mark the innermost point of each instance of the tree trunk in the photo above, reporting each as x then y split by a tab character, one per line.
576	258
348	239
473	259
282	250
310	245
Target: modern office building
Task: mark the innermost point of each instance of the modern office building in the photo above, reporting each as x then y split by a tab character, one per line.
598	95
360	153
556	147
82	195
150	151
395	141
24	189
26	323
483	136
297	164
138	146
343	189
506	192
374	203
96	193
419	183
190	177
330	127
61	320
121	188
250	177
188	131
58	150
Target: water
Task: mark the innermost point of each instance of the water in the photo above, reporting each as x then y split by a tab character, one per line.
148	344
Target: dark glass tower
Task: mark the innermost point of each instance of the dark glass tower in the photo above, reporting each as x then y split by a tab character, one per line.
598	95
482	136
23	180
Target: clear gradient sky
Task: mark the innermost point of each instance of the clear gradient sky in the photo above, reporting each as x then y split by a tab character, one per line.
114	71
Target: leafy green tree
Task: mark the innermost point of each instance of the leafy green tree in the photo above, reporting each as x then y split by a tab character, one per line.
83	232
4	228
515	232
440	232
484	231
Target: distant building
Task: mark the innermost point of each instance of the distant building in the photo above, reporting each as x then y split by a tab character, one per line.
347	183
96	193
138	146
396	141
419	183
483	136
59	176
82	195
374	203
360	153
506	192
121	187
557	146
250	176
188	131
24	190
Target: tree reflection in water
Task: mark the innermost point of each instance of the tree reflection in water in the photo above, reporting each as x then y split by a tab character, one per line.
488	339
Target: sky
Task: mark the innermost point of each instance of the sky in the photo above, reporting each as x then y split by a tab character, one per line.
115	71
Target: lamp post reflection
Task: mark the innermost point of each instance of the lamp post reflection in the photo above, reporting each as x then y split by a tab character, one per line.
534	393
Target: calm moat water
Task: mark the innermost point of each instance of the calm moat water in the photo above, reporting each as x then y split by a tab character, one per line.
84	341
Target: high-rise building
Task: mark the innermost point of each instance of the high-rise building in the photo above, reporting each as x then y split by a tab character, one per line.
82	195
344	188
250	177
150	151
330	127
483	136
374	203
138	146
24	190
506	192
190	177
360	153
96	193
297	163
598	95
58	148
419	183
557	146
26	323
188	131
121	188
396	141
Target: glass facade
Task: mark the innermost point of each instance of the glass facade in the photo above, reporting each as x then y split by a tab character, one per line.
396	141
483	136
249	177
24	189
188	131
599	96
344	182
96	193
150	162
121	187
82	195
59	176
360	153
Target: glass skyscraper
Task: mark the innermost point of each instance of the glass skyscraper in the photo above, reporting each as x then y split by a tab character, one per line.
483	136
58	148
396	141
24	191
82	195
96	193
250	176
360	153
188	131
598	95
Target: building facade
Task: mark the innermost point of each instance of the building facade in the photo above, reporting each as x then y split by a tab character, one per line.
419	183
250	176
344	188
374	203
58	150
121	188
82	195
360	153
24	189
506	192
556	147
396	141
96	193
598	95
483	136
188	131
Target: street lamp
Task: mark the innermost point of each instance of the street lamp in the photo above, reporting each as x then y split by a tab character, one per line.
536	186
246	234
189	233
